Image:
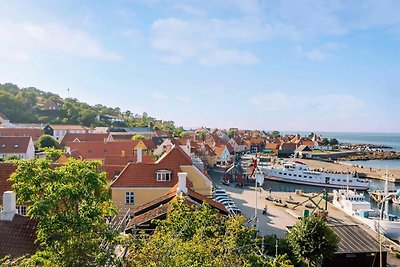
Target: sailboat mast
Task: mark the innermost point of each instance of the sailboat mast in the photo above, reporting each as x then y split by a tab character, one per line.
386	194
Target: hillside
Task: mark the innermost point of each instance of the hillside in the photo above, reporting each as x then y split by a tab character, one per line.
31	105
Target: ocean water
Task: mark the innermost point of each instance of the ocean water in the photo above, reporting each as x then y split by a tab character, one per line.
384	139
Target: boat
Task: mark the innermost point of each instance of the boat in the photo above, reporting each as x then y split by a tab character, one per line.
290	200
299	173
354	204
279	203
270	198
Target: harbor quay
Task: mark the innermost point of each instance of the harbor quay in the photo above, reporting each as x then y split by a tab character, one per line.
277	219
344	167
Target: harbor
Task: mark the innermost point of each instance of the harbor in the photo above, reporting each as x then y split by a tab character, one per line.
270	219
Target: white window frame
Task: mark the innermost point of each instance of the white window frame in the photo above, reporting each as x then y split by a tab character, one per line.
164	175
129	198
21	210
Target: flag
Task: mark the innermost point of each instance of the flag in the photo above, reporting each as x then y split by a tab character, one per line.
254	167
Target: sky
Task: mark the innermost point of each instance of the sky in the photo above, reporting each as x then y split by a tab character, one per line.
326	65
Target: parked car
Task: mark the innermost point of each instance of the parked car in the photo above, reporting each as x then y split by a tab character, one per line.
234	211
220	198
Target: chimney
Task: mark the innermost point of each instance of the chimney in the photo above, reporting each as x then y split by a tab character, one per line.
9	206
68	150
123	154
139	155
182	183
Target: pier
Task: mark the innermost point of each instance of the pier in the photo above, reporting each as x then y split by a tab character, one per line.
378	195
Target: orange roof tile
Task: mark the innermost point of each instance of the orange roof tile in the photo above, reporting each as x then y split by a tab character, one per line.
70	137
144	174
14	144
32	132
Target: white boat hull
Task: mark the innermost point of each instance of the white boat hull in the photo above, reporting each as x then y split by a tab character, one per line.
279	179
390	229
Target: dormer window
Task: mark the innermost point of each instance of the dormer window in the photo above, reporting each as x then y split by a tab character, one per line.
16	146
163	175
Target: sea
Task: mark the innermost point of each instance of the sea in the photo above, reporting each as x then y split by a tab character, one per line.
383	139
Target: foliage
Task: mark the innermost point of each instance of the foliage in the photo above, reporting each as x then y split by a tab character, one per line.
312	240
202	135
231	133
275	134
325	141
10	158
138	137
70	203
183	135
46	141
270	242
333	142
53	154
198	237
26	105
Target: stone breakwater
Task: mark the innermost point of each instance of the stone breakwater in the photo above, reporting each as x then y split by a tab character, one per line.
384	155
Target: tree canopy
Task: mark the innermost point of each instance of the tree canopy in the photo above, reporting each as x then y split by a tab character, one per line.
199	237
46	141
70	203
27	105
312	240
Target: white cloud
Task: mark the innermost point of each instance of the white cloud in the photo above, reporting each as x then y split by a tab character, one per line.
215	41
208	42
330	105
184	99
158	96
20	41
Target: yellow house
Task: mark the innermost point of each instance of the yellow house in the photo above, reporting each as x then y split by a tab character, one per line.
140	183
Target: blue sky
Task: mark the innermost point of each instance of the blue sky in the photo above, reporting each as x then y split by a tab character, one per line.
288	65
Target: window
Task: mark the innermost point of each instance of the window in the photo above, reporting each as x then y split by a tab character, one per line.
295	175
284	174
164	175
129	197
21	210
300	175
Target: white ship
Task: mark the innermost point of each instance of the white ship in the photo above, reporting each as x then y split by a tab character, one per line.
355	205
299	173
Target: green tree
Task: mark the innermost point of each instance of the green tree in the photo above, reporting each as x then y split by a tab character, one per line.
52	153
325	141
231	133
202	135
138	137
197	236
46	141
275	134
70	204
312	240
183	134
333	142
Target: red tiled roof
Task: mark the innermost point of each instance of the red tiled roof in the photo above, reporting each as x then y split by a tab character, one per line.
149	143
17	237
14	144
98	150
162	133
6	169
123	160
67	127
32	132
144	174
70	137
